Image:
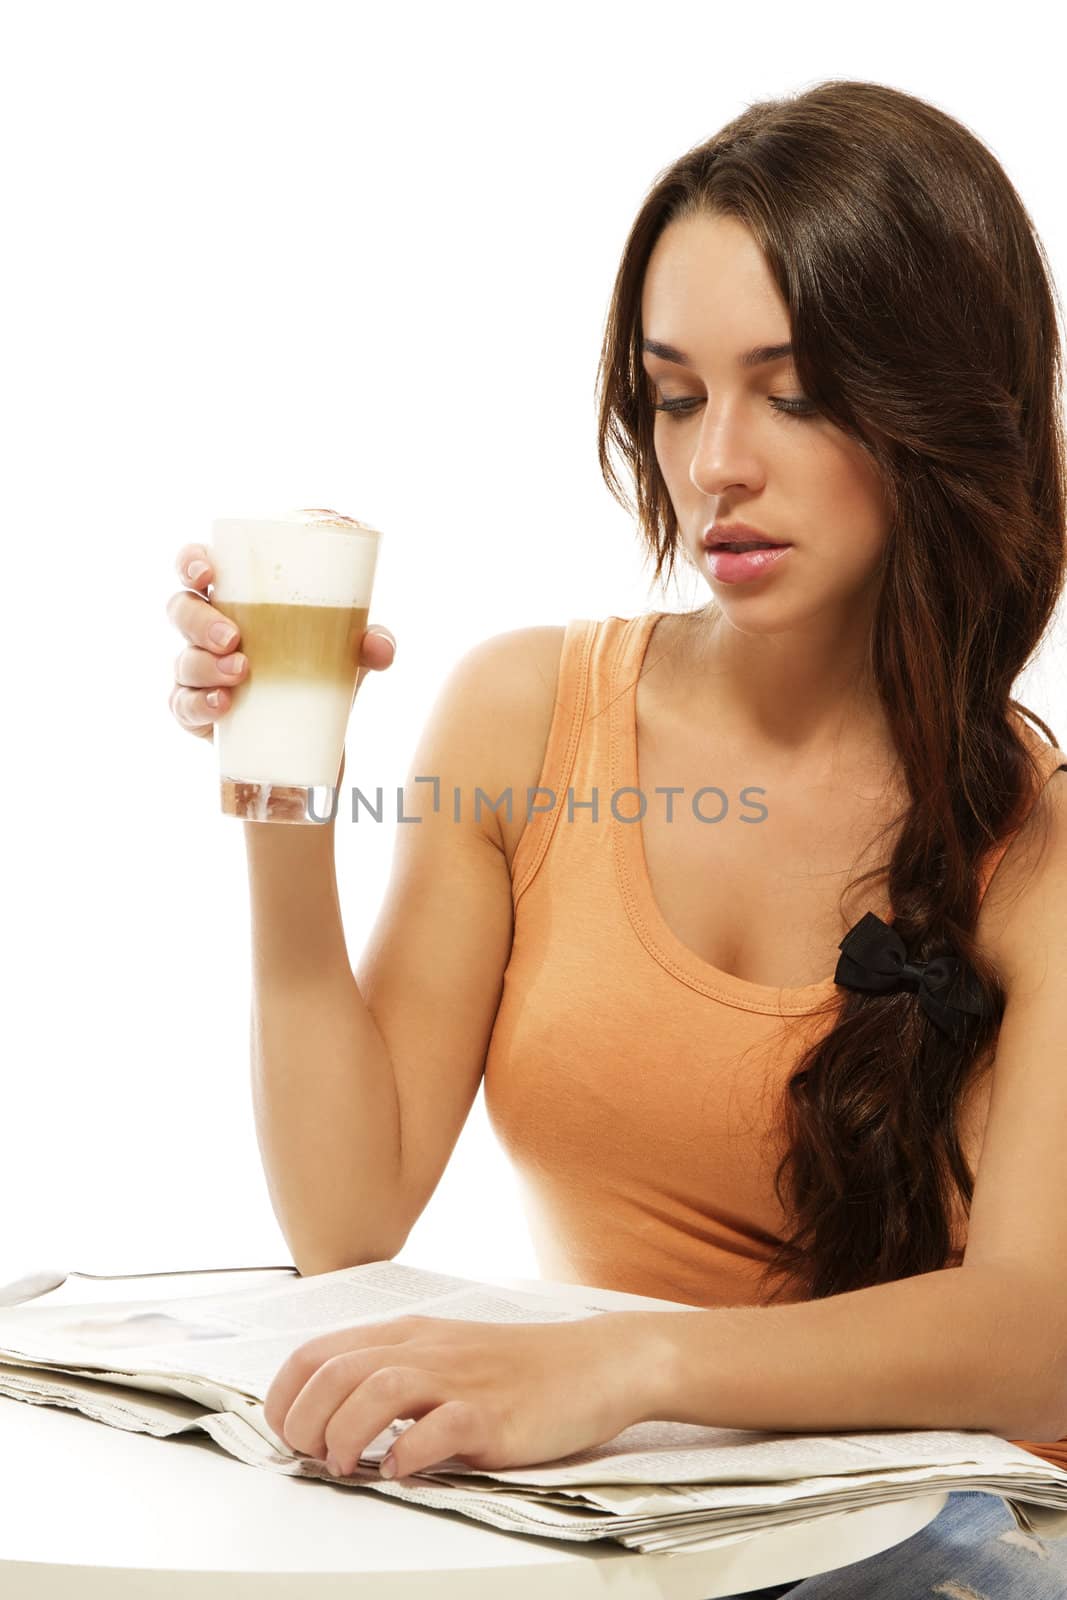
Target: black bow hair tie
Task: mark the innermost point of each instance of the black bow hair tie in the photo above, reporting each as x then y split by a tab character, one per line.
873	957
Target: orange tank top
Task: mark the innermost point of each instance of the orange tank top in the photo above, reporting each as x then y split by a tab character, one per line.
633	1085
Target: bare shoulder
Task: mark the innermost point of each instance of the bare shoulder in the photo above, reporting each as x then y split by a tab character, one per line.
517	672
523	650
514	678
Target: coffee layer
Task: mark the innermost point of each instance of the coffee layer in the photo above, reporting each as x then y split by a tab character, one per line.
287	720
300	643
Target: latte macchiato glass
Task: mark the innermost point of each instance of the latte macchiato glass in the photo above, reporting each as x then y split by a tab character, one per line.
299	588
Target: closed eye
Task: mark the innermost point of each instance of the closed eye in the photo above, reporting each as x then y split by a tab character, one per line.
782	408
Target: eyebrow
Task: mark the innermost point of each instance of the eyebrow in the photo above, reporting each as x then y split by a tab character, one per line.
752	358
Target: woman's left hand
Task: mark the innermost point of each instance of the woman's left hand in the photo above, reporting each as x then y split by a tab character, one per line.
494	1395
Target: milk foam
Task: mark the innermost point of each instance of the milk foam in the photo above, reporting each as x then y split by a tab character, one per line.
308	558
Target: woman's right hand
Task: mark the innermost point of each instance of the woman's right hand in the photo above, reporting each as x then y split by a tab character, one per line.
209	667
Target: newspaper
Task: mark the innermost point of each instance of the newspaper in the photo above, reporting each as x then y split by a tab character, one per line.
205	1362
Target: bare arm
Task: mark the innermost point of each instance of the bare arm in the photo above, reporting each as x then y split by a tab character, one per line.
323	1088
960	1348
362	1085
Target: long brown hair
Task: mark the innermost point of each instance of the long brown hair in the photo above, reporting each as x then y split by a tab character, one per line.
923	321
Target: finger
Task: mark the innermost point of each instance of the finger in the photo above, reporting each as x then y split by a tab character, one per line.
454	1429
195	668
195	565
360	1385
387	1395
201	623
378	647
301	1365
195	712
376	653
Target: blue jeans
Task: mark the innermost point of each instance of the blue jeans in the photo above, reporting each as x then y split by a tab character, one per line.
972	1550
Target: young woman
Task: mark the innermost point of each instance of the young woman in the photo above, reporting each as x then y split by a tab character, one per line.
833	329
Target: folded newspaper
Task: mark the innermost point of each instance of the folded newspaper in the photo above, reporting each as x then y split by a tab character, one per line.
206	1361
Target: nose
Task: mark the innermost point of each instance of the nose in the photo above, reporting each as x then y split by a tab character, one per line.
723	456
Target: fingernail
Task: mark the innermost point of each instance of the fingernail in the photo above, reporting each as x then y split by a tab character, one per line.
196	569
221	634
388	1468
333	1466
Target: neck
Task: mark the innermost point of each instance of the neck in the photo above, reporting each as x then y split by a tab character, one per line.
802	698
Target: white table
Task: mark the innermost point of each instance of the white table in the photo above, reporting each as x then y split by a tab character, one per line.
92	1511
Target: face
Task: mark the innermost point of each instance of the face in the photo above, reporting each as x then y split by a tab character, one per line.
736	445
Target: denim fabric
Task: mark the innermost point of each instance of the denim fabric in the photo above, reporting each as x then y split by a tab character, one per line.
972	1550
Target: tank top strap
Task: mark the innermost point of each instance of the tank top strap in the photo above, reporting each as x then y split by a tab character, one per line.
1050	760
572	696
593	654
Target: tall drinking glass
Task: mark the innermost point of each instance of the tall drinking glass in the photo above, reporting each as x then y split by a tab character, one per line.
299	587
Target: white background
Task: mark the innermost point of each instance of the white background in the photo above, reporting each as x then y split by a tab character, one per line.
261	256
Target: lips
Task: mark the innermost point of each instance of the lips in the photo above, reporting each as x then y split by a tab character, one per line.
739	533
744	546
